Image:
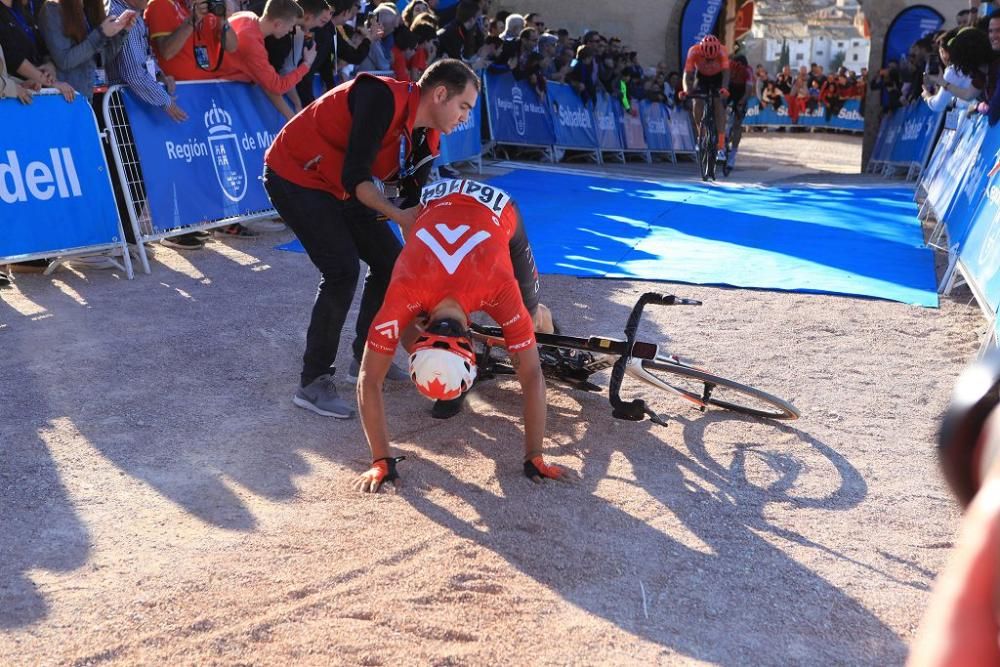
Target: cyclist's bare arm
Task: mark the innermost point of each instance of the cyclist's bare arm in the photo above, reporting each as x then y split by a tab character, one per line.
529	374
374	367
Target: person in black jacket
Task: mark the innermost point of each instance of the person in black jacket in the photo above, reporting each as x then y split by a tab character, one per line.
333	43
460	38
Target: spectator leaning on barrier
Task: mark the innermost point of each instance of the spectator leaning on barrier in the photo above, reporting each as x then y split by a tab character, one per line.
82	39
190	43
13	88
455	40
250	61
320	174
285	53
967	54
136	68
26	54
583	76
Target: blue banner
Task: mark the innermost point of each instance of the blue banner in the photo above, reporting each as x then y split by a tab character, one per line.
945	184
54	184
909	25
681	130
630	126
973	169
917	133
572	122
608	135
980	253
465	141
849	117
654	121
208	167
697	21
516	113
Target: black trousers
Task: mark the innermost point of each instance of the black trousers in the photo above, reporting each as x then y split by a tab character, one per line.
336	234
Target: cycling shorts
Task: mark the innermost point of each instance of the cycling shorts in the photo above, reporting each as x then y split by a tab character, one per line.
704	84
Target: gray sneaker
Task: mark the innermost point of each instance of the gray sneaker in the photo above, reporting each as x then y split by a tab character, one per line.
321	397
395	373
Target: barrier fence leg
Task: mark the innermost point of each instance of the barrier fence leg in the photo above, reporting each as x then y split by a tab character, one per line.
951	273
989	339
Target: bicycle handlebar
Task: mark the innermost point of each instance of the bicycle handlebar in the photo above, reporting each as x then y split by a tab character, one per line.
636	409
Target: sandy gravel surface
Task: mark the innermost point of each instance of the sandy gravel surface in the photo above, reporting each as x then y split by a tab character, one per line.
163	502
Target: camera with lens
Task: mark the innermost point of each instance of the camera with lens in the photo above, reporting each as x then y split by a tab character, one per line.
217	7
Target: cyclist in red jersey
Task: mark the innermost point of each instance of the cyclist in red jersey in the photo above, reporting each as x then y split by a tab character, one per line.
466	252
706	69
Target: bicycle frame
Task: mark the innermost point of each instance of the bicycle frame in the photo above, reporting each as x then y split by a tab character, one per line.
630	354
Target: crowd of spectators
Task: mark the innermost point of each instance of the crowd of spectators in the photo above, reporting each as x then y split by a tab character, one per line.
958	67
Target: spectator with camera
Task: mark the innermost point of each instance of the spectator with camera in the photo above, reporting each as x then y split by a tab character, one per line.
338	42
82	39
190	37
966	55
384	20
285	54
458	38
136	68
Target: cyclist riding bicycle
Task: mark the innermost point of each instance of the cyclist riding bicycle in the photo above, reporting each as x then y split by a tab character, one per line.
705	70
740	79
466	252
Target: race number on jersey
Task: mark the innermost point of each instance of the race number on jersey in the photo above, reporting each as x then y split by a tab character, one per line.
494	199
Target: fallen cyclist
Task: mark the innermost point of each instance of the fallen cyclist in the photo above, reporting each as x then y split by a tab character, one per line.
467	252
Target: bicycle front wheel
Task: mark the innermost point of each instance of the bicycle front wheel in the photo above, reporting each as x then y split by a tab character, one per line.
702	387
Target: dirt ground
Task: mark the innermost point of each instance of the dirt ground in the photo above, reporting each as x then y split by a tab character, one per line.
163	502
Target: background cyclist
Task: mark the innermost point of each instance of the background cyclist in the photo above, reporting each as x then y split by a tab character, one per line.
707	69
740	82
466	252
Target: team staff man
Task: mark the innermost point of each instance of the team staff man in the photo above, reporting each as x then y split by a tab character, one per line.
327	174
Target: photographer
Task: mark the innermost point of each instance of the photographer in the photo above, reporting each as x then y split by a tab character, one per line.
190	37
383	20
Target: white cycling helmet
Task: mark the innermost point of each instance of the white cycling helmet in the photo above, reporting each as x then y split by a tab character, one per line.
443	364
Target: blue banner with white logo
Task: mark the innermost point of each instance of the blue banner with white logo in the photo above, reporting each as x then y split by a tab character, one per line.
917	132
630	126
942	189
465	141
697	21
681	130
980	253
572	122
848	117
516	113
891	126
973	170
609	137
909	25
208	167
54	188
654	121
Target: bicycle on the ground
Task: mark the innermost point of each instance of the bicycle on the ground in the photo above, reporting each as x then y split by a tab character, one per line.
572	361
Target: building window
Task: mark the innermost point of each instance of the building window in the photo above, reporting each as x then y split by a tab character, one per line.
855	57
800	56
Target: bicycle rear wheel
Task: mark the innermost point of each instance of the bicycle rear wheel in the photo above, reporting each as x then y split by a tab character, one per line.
704	387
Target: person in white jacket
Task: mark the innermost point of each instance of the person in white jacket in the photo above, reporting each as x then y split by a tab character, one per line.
966	52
